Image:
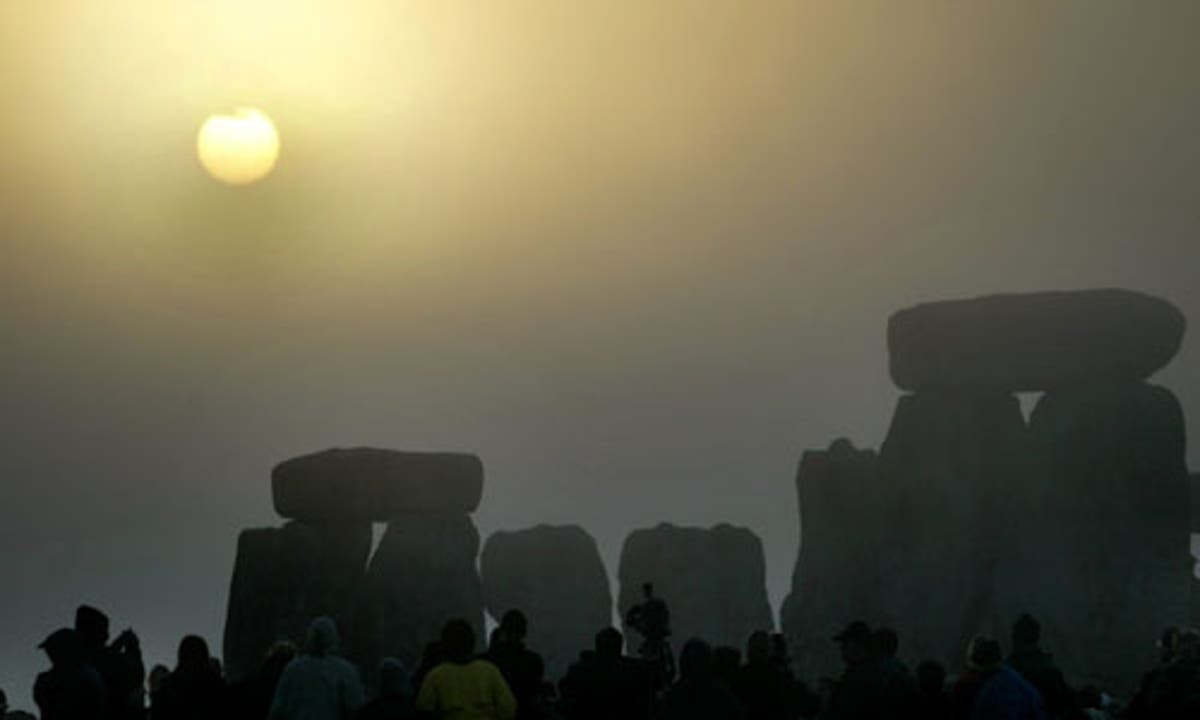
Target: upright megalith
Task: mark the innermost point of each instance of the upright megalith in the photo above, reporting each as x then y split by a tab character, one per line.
837	575
712	580
973	518
283	578
948	465
422	573
376	484
1105	536
1033	341
554	574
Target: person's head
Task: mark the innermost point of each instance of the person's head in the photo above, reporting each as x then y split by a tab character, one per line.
695	660
647	590
63	647
193	655
458	640
609	642
931	677
1026	632
984	654
514	625
322	637
154	679
856	642
394	680
3	703
758	648
92	626
887	642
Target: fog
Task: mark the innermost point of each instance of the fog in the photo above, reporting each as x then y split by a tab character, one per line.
637	256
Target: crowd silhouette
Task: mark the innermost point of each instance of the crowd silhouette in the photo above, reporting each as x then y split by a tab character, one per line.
91	678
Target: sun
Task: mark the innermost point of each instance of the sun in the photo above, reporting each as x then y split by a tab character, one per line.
240	148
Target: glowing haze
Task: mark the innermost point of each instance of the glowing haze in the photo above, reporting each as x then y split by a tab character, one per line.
638	256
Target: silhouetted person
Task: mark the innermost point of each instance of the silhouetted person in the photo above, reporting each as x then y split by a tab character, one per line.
781	659
932	701
318	685
119	664
966	688
251	698
651	618
899	686
1003	693
464	686
606	685
522	668
396	696
699	694
859	693
71	689
1168	647
765	690
1038	667
193	690
1175	689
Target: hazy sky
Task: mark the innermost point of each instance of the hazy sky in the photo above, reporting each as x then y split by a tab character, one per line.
637	255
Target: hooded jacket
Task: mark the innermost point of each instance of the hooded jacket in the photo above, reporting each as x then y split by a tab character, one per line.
318	685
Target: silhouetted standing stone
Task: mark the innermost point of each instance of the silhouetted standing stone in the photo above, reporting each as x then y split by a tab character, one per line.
1034	341
948	468
553	574
712	580
837	575
285	577
422	574
1105	561
375	484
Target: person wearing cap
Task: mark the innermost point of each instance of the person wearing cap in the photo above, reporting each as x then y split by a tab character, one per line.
1037	666
71	689
858	694
1003	694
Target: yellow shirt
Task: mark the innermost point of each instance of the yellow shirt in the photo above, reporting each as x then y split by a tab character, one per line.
474	691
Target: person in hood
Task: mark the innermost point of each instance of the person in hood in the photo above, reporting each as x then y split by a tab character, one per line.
318	685
71	689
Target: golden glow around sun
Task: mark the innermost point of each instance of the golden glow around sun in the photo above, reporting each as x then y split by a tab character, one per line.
239	148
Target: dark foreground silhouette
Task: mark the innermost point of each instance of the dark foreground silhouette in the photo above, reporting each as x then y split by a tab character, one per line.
92	679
